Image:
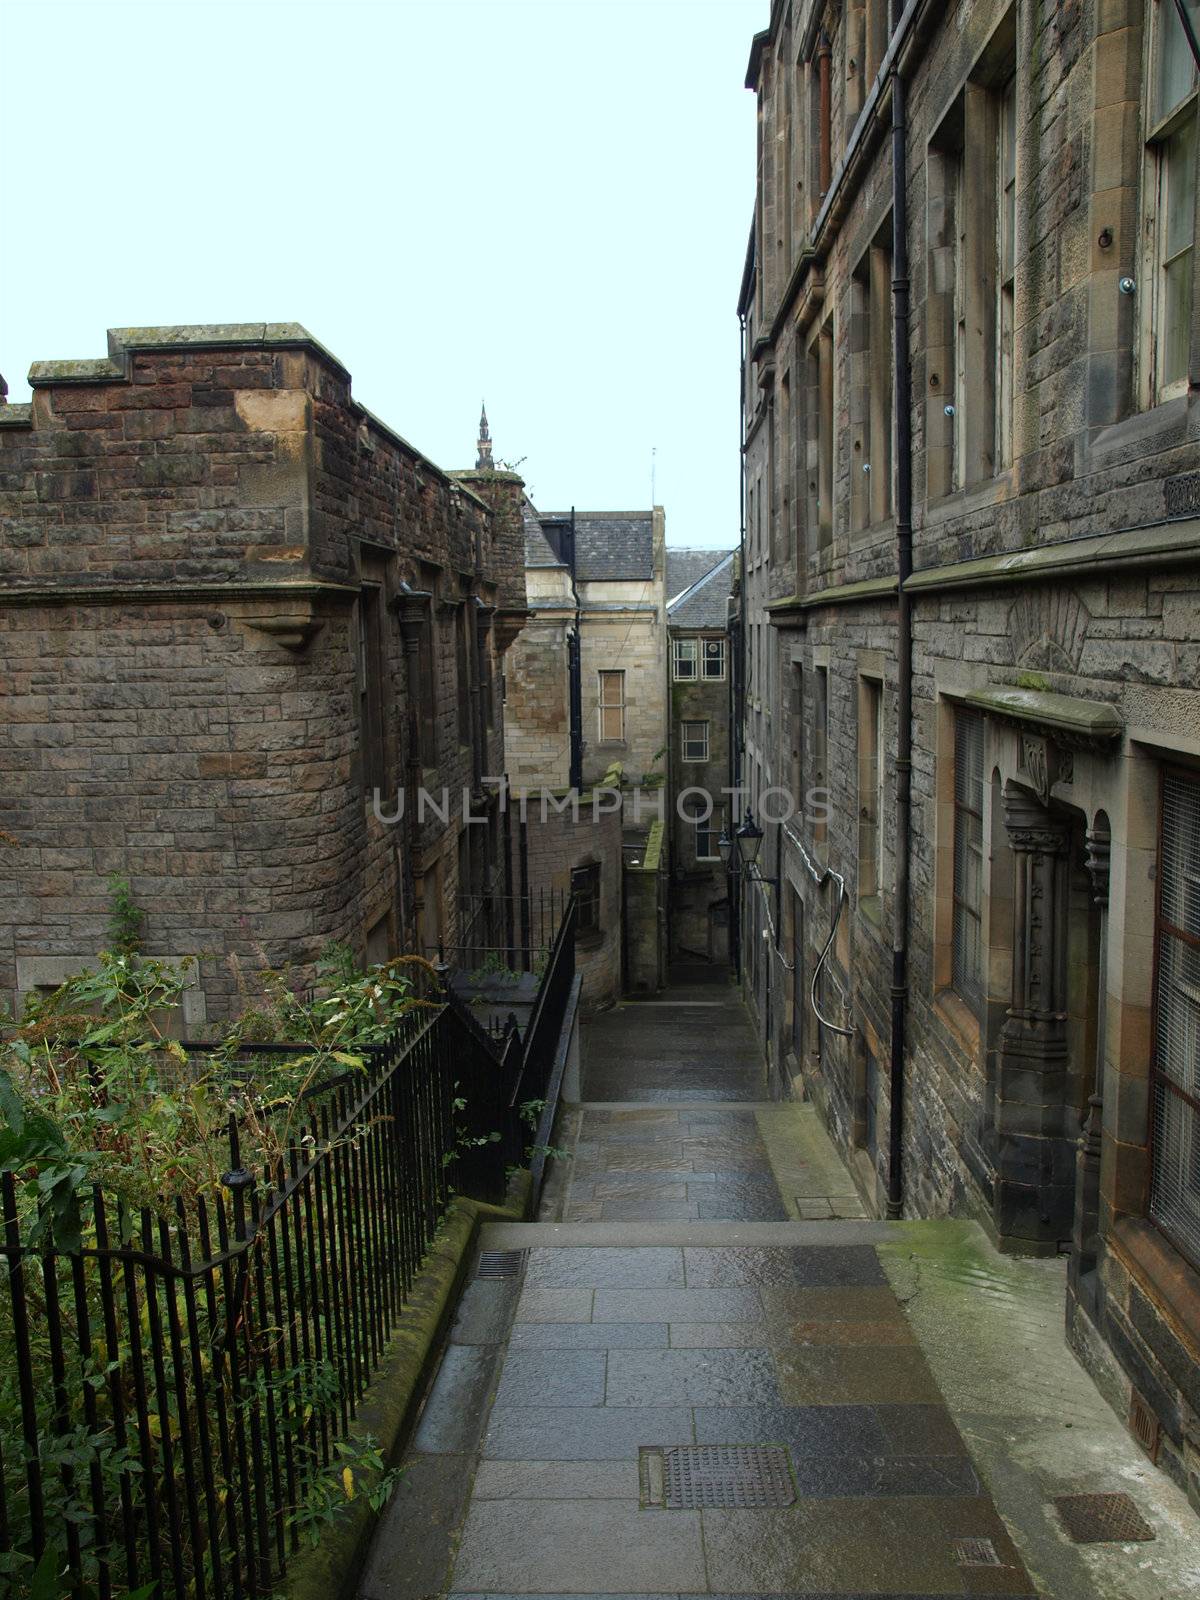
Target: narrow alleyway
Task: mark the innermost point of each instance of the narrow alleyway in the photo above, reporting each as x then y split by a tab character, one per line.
690	1386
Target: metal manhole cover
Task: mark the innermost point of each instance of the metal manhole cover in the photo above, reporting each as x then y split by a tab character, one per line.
499	1263
1102	1518
976	1553
730	1477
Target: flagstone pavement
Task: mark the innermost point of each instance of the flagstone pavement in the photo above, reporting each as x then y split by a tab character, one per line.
678	1310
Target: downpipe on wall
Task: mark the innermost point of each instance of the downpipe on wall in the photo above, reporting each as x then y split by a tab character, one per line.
901	408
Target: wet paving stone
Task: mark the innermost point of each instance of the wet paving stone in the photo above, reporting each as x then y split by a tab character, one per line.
718	1335
431	1496
884	1544
604	1268
818	1475
829	1431
452	1421
741	1206
676	1305
691	1377
649	1211
582	1433
850	1266
920	1430
786	1305
589	1336
628	1191
557	1480
558	1305
842	1333
855	1375
552	1378
485	1311
539	1545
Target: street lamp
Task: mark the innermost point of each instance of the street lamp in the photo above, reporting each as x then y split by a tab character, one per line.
749	842
725	845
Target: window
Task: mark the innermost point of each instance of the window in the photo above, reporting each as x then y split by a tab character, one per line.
1171	199
695	741
462	652
871	388
585	886
370	689
612	707
426	708
820	443
1006	255
707	831
967	932
820	742
685	658
714	658
797	732
970	266
1175	1070
870	787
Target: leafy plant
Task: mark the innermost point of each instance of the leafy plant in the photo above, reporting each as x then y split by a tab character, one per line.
126	920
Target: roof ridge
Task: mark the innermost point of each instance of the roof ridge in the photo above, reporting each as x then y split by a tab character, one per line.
701	580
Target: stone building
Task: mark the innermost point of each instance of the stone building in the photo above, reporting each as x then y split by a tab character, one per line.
971	605
699	584
585	704
233	606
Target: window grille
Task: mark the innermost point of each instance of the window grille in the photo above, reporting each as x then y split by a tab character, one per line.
695	741
968	858
685	658
1175	1070
714	658
585	885
612	707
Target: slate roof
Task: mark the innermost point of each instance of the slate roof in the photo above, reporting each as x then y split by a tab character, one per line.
704	603
686	567
613	546
537	547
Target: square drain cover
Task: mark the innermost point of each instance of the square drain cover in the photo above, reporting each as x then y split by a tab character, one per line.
499	1263
732	1477
1102	1518
976	1553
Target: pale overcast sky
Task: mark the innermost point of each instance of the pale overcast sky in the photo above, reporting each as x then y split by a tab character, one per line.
540	202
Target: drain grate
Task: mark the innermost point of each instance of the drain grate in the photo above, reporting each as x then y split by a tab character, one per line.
1144	1425
976	1553
729	1477
499	1263
1102	1518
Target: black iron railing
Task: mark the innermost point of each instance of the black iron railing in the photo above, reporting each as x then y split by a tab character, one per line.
175	1394
499	932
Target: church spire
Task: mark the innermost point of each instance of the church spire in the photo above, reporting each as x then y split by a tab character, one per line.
484	462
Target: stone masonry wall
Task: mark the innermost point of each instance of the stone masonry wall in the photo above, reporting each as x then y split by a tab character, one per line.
1073	571
184	530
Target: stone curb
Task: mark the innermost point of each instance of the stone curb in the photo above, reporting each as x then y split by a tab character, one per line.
392	1404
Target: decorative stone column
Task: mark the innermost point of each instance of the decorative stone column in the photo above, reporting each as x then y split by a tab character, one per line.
1035	1178
1085	1244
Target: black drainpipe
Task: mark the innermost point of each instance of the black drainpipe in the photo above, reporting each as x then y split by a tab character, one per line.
575	671
902	409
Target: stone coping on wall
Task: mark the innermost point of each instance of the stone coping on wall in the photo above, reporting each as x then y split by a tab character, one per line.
1155	544
117	367
1174	541
652	855
1052	713
68	594
839	594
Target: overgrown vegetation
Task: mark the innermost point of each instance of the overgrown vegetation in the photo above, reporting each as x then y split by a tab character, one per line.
99	1097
